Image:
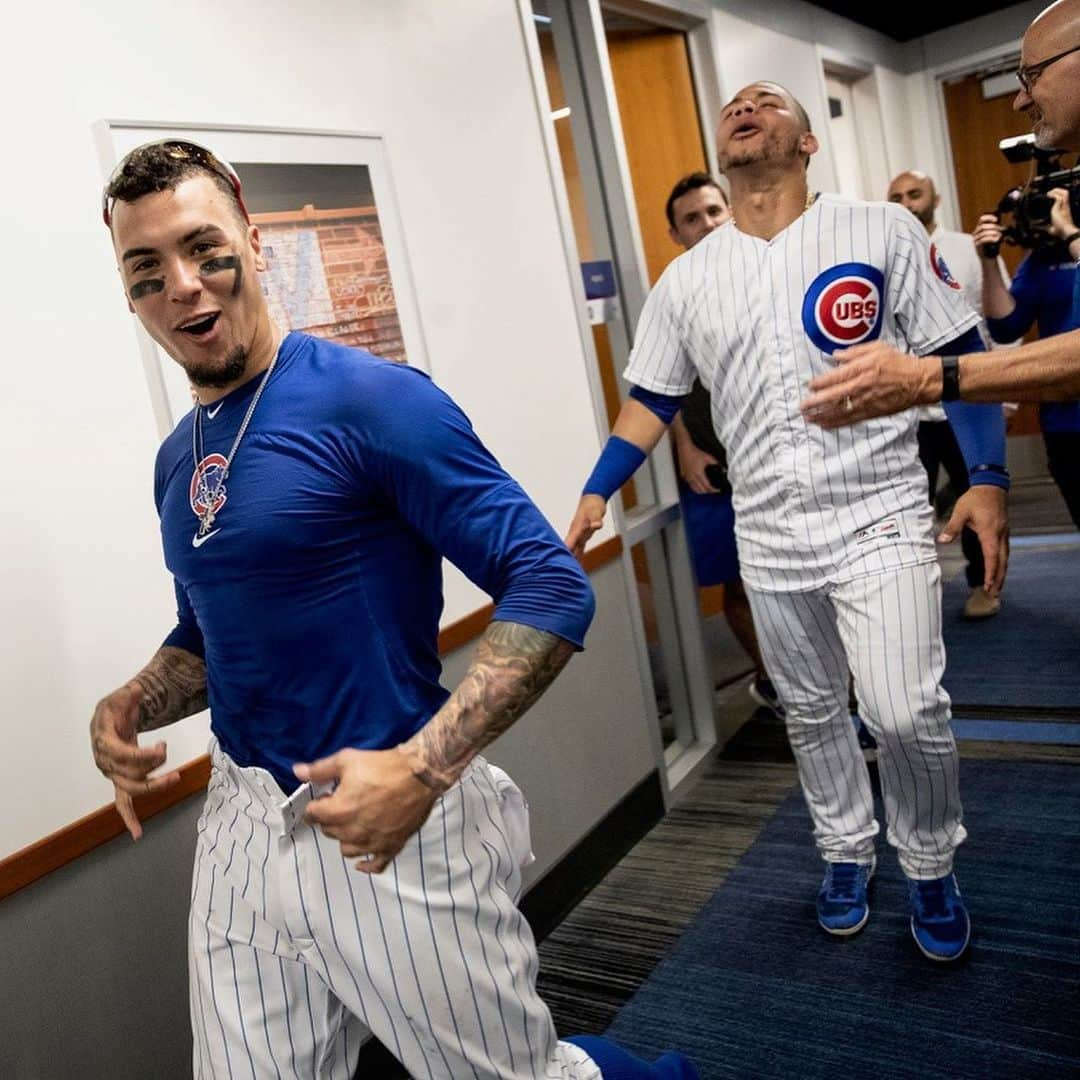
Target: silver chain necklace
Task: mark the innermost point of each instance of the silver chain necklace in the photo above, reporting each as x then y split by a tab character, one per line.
205	494
811	198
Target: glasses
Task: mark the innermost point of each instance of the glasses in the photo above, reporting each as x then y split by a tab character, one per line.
1029	76
180	150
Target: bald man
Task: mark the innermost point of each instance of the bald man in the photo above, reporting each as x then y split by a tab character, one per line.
938	448
917	192
875	379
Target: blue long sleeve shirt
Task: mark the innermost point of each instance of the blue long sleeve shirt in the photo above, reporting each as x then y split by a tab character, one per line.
315	598
1044	290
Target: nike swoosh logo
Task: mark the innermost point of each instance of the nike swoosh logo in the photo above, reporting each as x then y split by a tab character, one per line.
197	541
211	413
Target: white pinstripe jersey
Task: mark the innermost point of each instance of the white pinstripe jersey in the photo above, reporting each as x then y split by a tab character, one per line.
756	320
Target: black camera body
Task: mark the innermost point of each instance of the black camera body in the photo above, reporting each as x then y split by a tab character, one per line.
1029	206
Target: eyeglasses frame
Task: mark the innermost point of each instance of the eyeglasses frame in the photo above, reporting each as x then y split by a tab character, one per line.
1028	76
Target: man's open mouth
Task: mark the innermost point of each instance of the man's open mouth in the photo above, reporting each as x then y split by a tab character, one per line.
201	325
745	130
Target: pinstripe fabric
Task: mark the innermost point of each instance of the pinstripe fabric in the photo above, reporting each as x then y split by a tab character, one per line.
887	629
730	311
294	956
833	527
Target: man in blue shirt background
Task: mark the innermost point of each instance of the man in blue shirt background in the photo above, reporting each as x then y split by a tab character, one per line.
1043	293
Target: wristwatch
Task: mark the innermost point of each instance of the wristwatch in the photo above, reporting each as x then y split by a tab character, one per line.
950	378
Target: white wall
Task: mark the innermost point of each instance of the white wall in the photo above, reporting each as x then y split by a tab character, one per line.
448	85
974	36
806	22
897	128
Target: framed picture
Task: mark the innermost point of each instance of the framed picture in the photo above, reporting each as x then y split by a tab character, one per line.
336	261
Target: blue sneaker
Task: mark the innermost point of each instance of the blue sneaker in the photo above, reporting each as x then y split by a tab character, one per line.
939	920
842	907
675	1066
867	742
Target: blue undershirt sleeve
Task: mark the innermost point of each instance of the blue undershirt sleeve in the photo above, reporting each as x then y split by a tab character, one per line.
618	461
1024	291
662	406
979	429
419	448
186	634
620	458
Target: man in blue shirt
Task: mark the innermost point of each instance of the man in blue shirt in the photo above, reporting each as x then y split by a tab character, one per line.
306	503
1042	294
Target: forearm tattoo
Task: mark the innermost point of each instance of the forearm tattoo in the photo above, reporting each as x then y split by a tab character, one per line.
173	686
513	666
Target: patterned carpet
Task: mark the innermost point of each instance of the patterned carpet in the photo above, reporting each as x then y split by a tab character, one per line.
1032	646
599	956
753	989
594	963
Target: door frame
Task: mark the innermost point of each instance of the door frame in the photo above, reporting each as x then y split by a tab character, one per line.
934	80
680	763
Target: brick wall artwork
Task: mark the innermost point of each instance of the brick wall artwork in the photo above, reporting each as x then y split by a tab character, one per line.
327	274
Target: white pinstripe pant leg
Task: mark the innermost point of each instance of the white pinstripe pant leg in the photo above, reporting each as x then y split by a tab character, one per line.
439	944
891	626
804	656
432	955
257	1009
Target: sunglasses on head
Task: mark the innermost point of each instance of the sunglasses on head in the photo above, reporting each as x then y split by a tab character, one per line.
181	150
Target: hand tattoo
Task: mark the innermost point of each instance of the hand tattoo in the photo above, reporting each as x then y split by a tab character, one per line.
173	686
513	666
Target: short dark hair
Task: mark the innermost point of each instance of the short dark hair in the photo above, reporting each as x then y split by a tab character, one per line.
687	184
802	114
156	167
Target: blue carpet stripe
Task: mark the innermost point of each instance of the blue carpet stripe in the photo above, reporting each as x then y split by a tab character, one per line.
1034	731
1028	655
755	989
1038	540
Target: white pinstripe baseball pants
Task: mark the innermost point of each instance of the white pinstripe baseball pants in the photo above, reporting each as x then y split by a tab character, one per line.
294	955
887	629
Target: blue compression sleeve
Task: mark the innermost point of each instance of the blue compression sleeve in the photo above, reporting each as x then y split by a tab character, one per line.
619	460
980	429
663	406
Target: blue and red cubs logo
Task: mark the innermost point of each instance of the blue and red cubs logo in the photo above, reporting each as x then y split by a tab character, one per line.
207	483
844	306
940	268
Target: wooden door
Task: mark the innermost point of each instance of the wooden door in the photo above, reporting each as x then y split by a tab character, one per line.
976	126
662	132
658	115
659	118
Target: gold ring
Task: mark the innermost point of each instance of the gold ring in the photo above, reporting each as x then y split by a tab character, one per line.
849	405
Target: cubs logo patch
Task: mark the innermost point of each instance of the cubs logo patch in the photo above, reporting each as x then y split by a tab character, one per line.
937	262
844	306
207	491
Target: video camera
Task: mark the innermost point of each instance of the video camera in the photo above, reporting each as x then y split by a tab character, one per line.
1029	206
